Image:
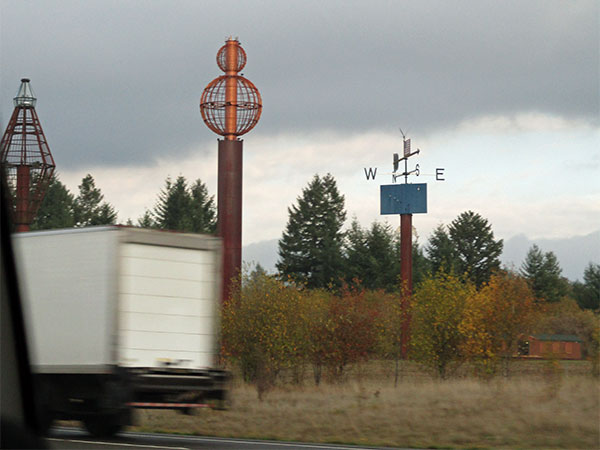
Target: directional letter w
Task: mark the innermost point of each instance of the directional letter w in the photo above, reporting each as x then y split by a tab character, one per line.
370	173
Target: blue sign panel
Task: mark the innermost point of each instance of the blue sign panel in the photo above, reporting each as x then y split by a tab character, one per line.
404	198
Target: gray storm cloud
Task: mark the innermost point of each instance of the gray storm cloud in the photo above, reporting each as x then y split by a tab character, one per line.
119	82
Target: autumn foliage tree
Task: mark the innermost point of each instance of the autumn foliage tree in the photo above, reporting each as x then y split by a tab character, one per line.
272	326
494	320
262	329
349	334
438	309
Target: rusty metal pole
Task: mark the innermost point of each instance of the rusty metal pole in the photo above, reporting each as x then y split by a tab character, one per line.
229	204
231	63
406	276
22	199
230	106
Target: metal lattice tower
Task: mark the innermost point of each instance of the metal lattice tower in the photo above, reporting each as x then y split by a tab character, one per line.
230	106
25	158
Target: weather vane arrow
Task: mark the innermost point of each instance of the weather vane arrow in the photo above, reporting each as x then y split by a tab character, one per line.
371	172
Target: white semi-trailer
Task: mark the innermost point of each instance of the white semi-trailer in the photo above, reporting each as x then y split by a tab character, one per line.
119	318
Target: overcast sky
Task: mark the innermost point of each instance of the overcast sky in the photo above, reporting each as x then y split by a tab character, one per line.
503	94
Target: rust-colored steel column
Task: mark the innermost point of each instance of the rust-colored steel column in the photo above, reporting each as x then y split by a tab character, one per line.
230	106
406	276
229	203
22	219
231	65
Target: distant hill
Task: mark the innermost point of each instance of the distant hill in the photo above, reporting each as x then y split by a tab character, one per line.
263	252
573	254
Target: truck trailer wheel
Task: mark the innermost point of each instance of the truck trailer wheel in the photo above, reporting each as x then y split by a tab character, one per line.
103	425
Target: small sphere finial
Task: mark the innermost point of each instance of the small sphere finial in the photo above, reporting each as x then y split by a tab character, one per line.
231	57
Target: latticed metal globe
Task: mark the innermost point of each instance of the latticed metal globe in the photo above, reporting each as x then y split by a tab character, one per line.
222	58
213	105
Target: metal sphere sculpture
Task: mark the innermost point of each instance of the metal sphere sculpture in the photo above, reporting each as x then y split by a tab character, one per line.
225	51
231	105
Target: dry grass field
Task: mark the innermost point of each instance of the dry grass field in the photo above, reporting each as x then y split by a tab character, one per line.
541	406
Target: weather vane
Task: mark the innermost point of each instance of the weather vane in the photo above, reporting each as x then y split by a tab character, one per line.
404	199
230	106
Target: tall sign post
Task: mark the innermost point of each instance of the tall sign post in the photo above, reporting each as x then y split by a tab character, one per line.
230	106
404	199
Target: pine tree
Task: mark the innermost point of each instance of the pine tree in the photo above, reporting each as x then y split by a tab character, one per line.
421	264
310	250
587	293
356	253
543	273
440	251
146	221
257	274
182	208
477	253
89	209
373	256
384	252
172	211
203	210
56	210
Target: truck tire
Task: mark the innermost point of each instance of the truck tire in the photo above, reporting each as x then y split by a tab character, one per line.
103	425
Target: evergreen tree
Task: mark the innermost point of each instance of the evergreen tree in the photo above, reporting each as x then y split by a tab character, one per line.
588	296
257	274
441	251
356	251
310	250
203	209
56	210
88	207
421	264
372	256
477	253
384	252
543	273
182	208
172	211
591	294
146	221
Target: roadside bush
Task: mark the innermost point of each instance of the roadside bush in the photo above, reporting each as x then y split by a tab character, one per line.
438	309
263	329
349	334
494	319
